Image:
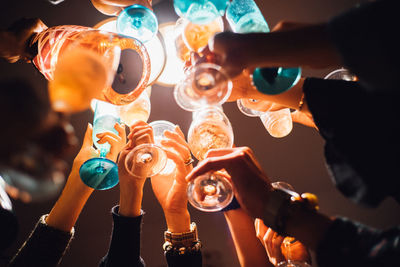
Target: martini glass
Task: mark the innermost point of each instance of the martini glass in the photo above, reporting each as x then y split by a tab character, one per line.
147	160
200	11
137	21
101	173
278	123
205	84
210	129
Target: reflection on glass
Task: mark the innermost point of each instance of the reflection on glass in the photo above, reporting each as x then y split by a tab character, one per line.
278	123
135	111
139	22
244	16
200	11
196	36
204	84
101	173
147	160
154	47
210	129
341	74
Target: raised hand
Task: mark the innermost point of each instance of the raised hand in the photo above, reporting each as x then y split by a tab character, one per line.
250	184
170	185
117	142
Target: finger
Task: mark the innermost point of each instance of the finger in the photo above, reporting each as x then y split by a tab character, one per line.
267	240
177	138
143	139
179	131
121	130
111	134
180	166
88	139
215	164
219	152
137	124
183	151
108	138
147	132
138	129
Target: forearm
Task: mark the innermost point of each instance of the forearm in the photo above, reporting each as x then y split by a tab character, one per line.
248	248
68	207
308	46
131	194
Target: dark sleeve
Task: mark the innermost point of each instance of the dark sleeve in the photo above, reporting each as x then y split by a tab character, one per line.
191	259
44	247
360	129
348	243
366	37
124	250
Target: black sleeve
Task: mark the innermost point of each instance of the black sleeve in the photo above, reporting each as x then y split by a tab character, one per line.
360	129
348	243
44	247
191	259
367	39
124	250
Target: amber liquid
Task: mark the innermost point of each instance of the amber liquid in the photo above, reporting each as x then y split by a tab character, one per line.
196	36
208	135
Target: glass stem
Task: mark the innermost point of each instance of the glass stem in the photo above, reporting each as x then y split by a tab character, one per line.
103	152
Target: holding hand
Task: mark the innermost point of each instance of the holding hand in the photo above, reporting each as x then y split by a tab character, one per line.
279	248
114	7
170	185
250	184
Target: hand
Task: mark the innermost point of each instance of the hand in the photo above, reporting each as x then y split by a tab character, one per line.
243	87
251	184
280	248
114	7
14	41
131	187
117	142
303	118
226	45
170	185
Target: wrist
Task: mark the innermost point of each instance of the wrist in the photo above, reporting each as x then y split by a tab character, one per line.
130	203
178	222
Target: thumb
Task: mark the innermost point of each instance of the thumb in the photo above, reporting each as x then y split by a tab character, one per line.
88	139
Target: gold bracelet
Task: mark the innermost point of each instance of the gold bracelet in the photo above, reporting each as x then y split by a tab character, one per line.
301	102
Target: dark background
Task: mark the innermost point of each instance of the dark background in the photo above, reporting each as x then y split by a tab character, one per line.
297	158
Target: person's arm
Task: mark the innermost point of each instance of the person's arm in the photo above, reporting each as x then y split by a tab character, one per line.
124	248
249	250
50	239
170	189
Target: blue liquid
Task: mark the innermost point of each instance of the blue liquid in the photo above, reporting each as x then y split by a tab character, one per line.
244	16
200	11
104	124
139	22
99	173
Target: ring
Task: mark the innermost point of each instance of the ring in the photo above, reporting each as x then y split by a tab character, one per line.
189	161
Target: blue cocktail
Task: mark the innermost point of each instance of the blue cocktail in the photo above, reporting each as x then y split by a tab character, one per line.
101	173
139	22
244	16
200	11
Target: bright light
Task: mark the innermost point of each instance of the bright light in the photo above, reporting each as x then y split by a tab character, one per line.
154	47
173	71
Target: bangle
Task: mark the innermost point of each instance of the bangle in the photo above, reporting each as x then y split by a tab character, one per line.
181	243
301	102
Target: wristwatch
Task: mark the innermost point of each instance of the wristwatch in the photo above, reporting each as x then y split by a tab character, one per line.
181	243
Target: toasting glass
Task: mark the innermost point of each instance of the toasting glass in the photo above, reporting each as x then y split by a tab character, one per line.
147	160
138	21
244	16
278	123
210	129
101	173
200	11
